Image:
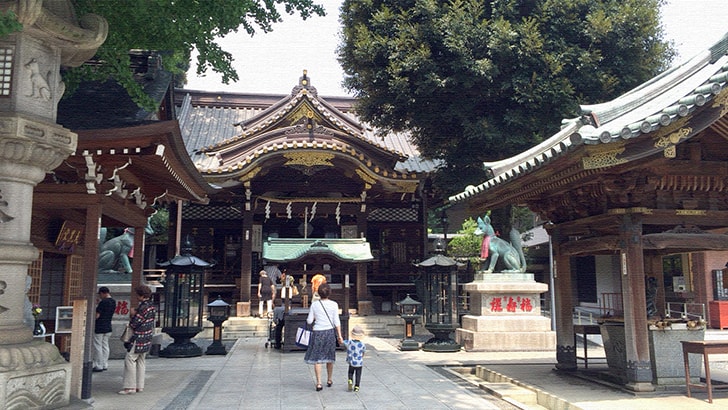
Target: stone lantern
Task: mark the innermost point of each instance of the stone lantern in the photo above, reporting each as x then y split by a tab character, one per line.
440	302
32	144
409	311
183	292
218	311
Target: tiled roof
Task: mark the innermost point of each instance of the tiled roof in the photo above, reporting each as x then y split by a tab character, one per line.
208	127
672	95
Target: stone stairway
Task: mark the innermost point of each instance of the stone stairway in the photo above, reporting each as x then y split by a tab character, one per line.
384	326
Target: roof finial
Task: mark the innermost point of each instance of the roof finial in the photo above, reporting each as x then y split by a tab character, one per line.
304	83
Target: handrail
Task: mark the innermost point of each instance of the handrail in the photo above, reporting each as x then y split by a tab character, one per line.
685	311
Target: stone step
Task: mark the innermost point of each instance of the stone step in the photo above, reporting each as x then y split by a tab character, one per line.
512	393
384	326
521	397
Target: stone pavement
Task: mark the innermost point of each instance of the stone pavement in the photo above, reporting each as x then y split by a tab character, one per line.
252	376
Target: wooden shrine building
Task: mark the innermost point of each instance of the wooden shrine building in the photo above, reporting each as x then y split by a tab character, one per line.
301	167
127	163
640	179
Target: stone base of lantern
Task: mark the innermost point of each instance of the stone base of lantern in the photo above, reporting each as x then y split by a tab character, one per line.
40	378
505	315
409	345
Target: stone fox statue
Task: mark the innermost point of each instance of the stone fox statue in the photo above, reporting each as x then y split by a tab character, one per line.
114	254
494	248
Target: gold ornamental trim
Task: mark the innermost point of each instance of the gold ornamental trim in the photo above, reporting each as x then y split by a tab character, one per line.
673	138
406	187
311	200
250	174
721	101
309	159
633	210
603	159
365	176
691	212
304	110
670	152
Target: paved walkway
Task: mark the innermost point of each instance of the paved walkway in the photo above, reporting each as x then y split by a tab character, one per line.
252	376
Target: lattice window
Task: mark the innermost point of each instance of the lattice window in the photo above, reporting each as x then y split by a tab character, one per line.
74	275
6	70
35	271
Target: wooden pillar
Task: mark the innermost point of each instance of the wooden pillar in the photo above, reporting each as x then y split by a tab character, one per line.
362	290
701	278
88	289
634	301
137	263
563	301
347	289
246	257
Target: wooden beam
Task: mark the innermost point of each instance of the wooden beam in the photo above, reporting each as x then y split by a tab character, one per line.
684	241
591	246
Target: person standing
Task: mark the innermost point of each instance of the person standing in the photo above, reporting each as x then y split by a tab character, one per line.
316	281
355	350
102	329
288	286
324	315
266	293
142	323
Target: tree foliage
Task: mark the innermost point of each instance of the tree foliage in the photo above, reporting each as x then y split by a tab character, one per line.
175	27
466	243
478	81
9	23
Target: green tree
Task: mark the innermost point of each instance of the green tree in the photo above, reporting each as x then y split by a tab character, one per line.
9	23
176	27
466	244
476	81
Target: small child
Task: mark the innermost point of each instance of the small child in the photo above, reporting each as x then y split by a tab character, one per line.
355	350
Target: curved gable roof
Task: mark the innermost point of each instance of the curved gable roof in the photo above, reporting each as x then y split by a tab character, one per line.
654	117
226	132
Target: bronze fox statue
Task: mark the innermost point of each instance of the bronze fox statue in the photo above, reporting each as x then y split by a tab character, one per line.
494	248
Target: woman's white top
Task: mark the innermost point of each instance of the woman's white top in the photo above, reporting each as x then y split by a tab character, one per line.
318	315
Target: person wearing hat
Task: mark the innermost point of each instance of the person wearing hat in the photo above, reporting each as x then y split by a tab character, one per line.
355	350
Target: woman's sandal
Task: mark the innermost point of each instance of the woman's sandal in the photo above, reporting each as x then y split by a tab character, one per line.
319	387
329	383
127	391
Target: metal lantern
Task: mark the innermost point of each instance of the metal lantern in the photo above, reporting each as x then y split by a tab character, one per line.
218	311
183	292
440	302
409	311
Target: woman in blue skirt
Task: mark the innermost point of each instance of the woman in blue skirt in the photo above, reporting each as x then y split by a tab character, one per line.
324	314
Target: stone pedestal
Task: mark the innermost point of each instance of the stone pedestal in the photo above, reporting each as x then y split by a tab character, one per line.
242	309
365	308
505	315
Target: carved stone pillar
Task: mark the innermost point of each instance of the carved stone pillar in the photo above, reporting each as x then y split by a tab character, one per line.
32	372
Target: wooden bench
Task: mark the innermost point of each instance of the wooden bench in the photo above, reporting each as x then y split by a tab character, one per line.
705	348
585	330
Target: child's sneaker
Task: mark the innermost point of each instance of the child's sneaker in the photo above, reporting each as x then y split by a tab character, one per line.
350	384
356	389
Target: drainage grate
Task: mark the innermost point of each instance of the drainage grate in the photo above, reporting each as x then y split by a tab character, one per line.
190	392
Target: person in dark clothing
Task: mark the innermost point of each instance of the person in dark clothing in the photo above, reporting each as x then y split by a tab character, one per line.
102	329
279	313
266	293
